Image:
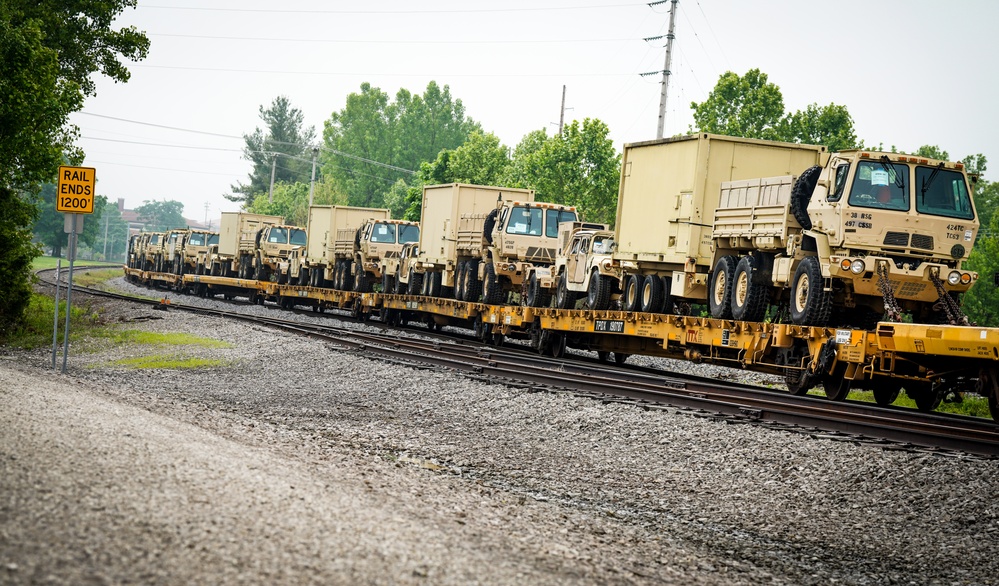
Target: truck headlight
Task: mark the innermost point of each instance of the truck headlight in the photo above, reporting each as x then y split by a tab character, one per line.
857	267
954	278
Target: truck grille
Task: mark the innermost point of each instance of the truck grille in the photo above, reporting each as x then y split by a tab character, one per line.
922	241
896	239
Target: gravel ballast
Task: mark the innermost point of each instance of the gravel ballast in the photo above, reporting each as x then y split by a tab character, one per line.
407	475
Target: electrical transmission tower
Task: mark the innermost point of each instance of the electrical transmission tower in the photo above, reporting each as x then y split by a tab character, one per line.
665	72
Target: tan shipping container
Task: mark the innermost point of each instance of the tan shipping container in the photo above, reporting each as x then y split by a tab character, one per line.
670	190
237	231
332	229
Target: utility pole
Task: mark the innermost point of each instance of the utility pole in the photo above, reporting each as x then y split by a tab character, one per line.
312	184
206	212
106	218
666	72
561	113
270	195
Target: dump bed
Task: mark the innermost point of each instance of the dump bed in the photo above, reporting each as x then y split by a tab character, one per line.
237	230
453	215
332	229
670	190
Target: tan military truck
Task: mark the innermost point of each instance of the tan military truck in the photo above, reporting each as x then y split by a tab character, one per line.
190	250
585	266
236	254
745	223
477	239
151	251
339	238
377	250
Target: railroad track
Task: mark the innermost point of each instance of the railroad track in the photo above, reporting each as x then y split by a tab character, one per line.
894	427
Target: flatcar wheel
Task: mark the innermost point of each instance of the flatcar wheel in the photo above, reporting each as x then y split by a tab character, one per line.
836	385
926	397
886	390
603	355
620	358
988	386
558	345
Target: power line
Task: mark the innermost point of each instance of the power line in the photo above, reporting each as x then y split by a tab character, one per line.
370	74
160	125
393	12
392	41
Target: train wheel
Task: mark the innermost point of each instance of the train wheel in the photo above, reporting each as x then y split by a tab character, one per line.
886	390
720	288
564	298
926	397
598	291
836	386
652	294
603	355
988	386
749	298
810	304
620	358
558	345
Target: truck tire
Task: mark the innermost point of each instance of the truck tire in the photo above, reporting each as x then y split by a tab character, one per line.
460	275
631	300
653	296
178	266
492	291
536	297
564	298
303	276
388	283
749	290
801	194
487	226
361	282
810	304
598	291
720	288
433	281
473	286
415	283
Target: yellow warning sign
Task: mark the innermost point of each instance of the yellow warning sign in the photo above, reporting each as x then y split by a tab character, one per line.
76	190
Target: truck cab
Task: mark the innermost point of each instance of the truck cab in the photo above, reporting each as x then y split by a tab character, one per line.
895	228
377	248
273	247
585	260
193	253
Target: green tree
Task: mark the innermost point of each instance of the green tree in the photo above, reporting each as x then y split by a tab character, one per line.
291	202
158	216
748	106
578	167
932	151
50	225
981	302
285	145
111	238
48	52
373	142
830	125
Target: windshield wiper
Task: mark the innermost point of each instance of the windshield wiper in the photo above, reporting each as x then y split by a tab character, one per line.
928	180
886	163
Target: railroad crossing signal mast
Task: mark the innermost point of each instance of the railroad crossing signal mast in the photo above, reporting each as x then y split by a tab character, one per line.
74	197
665	72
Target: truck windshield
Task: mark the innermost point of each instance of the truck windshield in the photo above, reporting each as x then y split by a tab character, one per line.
299	237
603	244
213	239
383	232
277	236
876	185
556	217
408	233
197	239
525	220
943	193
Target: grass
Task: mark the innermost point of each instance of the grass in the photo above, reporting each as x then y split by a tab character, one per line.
36	330
170	361
94	277
971	405
140	337
49	262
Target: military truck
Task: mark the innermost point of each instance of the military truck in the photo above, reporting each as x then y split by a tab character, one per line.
190	250
377	250
744	224
484	240
132	257
249	249
329	256
584	266
151	251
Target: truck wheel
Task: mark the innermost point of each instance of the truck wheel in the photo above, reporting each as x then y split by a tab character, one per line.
487	226
564	298
434	284
652	294
178	266
361	282
801	194
388	284
473	286
460	276
415	283
492	292
749	296
598	291
720	288
810	304
303	276
632	293
535	296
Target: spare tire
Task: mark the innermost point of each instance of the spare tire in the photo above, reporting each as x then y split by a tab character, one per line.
801	194
488	225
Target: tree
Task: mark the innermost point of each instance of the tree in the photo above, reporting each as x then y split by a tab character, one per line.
747	106
373	142
578	167
981	302
49	50
111	238
159	216
830	125
291	202
932	151
286	147
50	225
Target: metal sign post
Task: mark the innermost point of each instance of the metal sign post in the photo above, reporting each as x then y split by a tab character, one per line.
76	223
55	320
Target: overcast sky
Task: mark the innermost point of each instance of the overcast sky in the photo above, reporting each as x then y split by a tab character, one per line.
911	72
